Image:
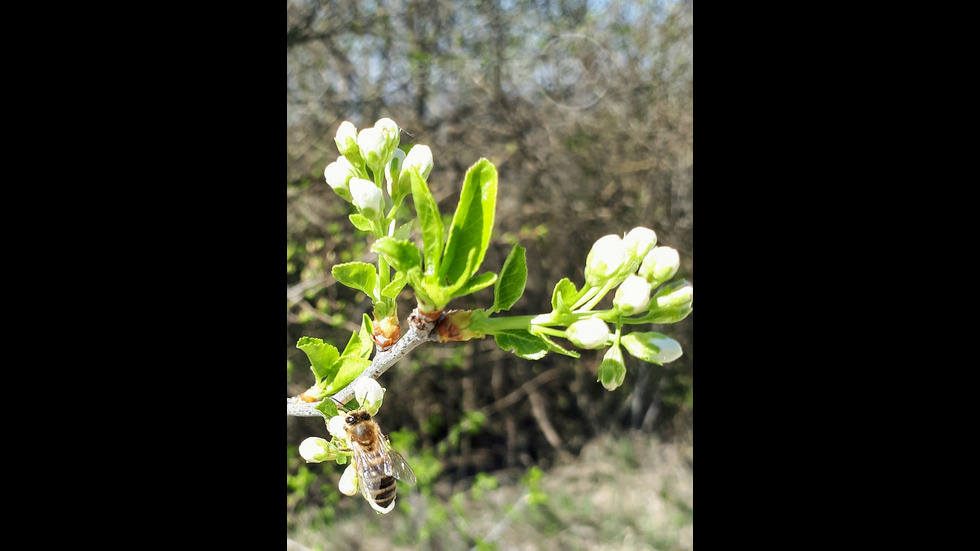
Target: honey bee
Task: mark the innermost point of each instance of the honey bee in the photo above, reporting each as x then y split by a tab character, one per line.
376	464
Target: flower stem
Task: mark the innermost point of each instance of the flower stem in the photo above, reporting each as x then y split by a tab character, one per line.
598	295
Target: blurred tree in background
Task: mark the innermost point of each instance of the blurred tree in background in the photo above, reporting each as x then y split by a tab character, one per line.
586	110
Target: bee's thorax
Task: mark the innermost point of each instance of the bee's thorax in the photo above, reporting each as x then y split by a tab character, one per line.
363	433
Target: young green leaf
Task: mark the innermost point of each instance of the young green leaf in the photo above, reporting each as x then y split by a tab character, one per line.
417	281
452	287
431	222
564	296
401	254
555	347
510	285
522	343
357	275
472	224
350	368
328	408
397	284
361	222
382	308
475	284
404	231
360	343
323	357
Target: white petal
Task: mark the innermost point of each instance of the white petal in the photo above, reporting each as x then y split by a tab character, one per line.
346	130
336	426
384	511
312	448
348	481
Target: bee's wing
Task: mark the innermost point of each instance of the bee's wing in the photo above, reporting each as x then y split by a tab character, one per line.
400	468
370	466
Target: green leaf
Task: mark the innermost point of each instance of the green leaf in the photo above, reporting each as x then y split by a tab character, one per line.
450	290
430	220
328	408
510	285
383	307
404	231
522	343
360	343
398	282
361	222
350	368
472	224
357	275
564	296
367	329
417	281
555	347
402	254
475	284
323	357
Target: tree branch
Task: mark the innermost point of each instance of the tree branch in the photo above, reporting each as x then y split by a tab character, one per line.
418	332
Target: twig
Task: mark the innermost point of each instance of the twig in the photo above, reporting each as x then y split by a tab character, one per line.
418	333
517	394
550	434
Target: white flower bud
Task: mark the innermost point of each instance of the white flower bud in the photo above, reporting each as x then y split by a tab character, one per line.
337	427
675	295
390	132
378	143
317	450
393	171
348	481
346	131
372	143
369	394
605	259
366	196
612	370
589	334
669	349
652	347
346	141
338	174
659	265
632	296
638	242
420	157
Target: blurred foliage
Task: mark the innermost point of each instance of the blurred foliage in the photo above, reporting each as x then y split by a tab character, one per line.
586	110
625	492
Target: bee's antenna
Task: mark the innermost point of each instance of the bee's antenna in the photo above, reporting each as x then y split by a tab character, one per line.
341	405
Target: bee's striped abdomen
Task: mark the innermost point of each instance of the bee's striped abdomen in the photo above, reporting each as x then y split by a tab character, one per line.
386	491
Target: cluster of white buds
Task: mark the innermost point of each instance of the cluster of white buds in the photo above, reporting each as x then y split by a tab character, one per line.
637	266
368	156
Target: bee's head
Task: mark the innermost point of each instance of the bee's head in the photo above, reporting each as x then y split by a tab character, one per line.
357	417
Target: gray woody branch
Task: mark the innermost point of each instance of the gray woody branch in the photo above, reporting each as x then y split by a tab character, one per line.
418	333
